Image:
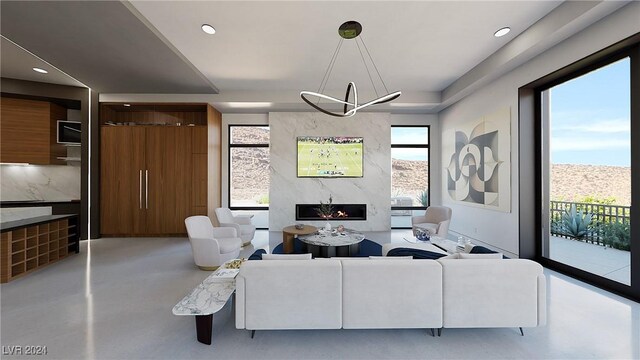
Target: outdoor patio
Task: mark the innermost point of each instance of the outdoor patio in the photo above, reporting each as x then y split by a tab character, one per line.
610	263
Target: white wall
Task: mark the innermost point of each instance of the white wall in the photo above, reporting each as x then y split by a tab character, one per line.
373	189
500	230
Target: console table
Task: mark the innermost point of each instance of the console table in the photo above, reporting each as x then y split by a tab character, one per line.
205	300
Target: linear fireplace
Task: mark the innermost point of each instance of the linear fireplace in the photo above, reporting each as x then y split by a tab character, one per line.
341	212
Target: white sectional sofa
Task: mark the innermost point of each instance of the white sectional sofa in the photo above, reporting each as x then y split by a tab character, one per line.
389	293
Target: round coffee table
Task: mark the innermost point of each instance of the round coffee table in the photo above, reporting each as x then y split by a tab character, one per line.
332	243
290	232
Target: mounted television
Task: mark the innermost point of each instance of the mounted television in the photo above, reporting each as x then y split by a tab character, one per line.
69	132
330	156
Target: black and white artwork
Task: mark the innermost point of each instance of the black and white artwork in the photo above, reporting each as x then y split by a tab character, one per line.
477	159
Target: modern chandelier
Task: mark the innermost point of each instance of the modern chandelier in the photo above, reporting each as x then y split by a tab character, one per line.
349	30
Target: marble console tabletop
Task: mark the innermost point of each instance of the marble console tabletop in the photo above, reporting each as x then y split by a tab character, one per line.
331	238
208	297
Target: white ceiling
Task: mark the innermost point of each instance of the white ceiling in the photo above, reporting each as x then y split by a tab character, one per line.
265	52
282	46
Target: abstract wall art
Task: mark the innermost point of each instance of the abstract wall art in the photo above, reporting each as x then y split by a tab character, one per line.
477	160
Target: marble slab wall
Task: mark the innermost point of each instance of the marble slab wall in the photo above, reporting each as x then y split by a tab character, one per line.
33	182
373	189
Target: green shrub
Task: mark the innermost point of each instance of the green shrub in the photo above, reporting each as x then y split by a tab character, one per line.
263	199
616	235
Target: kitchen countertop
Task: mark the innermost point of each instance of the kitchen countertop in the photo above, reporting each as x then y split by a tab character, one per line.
11	225
28	203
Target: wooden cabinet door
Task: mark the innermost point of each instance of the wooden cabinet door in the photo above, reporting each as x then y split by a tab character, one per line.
122	165
25	131
169	171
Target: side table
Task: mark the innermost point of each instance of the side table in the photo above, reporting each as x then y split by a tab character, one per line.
290	232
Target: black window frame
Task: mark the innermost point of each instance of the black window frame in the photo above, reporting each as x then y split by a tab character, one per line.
531	97
230	146
415	146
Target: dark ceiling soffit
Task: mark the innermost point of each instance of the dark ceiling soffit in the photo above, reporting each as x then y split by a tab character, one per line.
166	41
103	45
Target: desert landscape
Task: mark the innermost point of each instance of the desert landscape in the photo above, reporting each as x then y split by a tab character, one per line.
570	182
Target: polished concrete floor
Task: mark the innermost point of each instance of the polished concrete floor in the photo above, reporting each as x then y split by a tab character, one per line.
114	300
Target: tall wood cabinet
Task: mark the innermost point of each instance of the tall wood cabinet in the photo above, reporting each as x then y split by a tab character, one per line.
152	177
147	179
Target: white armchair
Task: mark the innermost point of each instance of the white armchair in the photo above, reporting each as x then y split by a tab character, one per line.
242	224
211	246
436	220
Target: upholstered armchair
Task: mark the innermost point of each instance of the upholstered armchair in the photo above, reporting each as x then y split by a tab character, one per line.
211	246
242	223
436	220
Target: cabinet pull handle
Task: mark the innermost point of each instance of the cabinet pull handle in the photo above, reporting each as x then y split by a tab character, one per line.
140	189
146	193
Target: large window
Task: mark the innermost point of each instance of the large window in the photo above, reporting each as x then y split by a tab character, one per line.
587	154
249	172
409	173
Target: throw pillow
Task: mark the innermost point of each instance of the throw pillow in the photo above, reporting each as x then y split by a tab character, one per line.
286	257
480	256
414	253
257	255
450	257
481	250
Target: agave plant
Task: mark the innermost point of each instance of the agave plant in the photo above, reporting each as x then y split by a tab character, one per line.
575	223
423	198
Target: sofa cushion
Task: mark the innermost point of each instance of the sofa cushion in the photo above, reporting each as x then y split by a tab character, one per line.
406	257
286	257
481	256
415	253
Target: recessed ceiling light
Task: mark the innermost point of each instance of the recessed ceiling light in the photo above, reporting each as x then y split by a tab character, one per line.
127	105
208	29
502	32
41	71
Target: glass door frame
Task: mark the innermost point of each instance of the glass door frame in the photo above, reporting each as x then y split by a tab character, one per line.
534	92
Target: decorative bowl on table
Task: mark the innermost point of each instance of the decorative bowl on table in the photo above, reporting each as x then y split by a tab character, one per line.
299	226
422	235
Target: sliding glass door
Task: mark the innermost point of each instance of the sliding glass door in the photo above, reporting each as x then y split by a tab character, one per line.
588	171
588	144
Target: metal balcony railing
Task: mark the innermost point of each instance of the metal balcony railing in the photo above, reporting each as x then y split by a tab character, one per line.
602	214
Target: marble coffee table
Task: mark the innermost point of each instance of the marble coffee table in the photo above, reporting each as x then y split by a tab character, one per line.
205	300
332	243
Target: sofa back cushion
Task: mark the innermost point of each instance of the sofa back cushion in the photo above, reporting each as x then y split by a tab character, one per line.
289	294
391	294
286	257
492	293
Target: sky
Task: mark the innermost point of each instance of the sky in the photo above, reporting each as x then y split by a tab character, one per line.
409	135
590	118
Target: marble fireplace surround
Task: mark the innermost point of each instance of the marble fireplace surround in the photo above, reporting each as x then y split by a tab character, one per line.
373	189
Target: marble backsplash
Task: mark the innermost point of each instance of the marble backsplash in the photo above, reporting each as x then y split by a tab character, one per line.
286	189
34	182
